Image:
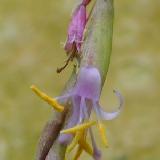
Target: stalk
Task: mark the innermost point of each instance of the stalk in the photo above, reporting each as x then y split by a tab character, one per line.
96	51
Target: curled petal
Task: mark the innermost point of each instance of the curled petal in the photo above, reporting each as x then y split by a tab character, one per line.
120	98
110	115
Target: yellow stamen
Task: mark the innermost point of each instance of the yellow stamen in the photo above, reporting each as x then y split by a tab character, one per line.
102	133
80	139
74	141
83	143
48	99
79	127
78	153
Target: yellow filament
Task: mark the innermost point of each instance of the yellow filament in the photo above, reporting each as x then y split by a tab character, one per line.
103	134
80	138
79	127
83	143
78	153
48	99
74	142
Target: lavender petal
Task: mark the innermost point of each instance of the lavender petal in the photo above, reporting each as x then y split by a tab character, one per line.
110	115
66	138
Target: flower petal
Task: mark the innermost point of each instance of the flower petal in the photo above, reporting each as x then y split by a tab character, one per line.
82	105
110	115
66	138
63	97
88	83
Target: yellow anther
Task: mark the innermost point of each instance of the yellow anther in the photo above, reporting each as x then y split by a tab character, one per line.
103	134
81	140
48	99
80	127
74	141
78	153
83	143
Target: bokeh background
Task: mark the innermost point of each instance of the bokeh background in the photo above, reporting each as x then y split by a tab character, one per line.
30	51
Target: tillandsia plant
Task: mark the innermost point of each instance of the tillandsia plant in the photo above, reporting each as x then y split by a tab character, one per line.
72	126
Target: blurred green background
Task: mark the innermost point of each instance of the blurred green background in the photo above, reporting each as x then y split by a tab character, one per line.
30	51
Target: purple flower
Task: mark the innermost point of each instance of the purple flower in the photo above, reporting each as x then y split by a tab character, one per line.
85	97
75	33
76	29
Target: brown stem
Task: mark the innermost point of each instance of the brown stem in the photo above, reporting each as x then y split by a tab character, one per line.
49	135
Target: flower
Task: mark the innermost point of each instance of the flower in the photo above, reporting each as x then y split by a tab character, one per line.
76	29
75	35
85	97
